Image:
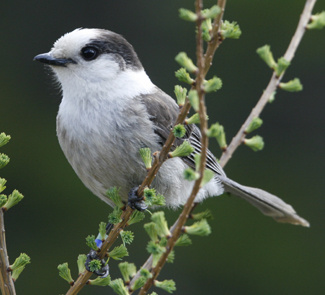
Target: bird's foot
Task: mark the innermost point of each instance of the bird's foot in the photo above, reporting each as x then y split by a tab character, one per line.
135	202
103	271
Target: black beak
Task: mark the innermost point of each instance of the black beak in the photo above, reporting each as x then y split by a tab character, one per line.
48	59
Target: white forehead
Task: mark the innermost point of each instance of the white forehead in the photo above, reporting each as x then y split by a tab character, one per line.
71	43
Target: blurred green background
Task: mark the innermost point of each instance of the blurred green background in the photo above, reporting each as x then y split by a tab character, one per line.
246	253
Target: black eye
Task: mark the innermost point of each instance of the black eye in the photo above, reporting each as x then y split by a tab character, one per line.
89	53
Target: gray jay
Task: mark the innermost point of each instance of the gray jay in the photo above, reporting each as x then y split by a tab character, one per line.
110	109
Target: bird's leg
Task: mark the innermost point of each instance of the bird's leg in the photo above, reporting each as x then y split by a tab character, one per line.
103	271
135	202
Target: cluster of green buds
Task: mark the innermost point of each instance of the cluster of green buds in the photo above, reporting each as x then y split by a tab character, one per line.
217	131
18	266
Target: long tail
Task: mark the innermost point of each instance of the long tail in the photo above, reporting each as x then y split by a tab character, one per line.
267	203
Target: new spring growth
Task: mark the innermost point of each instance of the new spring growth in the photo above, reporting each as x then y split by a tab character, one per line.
317	21
13	199
127	236
182	150
171	257
4	139
95	265
118	252
256	143
139	283
282	65
102	230
187	15
159	219
3	200
195	119
183	240
20	261
2	184
180	93
197	160
4	160
65	273
216	130
145	273
272	97
156	250
100	281
230	30
194	99
152	231
145	154
167	285
212	12
15	274
266	54
136	216
90	242
179	131
292	86
81	263
206	27
207	176
190	174
118	287
186	62
115	216
184	76
128	270
202	215
199	228
113	194
152	199
254	124
213	84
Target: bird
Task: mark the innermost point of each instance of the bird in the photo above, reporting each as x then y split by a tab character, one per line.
110	109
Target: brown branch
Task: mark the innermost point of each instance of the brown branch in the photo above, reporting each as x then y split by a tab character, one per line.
6	283
274	82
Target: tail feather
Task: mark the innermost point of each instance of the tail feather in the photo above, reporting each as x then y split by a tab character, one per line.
267	203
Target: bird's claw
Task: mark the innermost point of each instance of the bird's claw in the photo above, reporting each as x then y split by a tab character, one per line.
103	272
135	202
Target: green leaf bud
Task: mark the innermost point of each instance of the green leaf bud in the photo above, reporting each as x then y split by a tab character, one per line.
3	200
291	86
254	124
266	54
179	131
216	130
282	65
4	139
145	273
127	270
184	76
167	285
213	84
2	184
15	274
256	143
4	160
183	240
136	216
207	176
199	228
127	237
272	97
230	30
163	242
182	150
90	242
118	252
99	281
13	200
155	249
149	194
139	283
95	265
317	21
152	231
115	216
195	119
187	15
81	263
190	174
202	215
159	219
102	230
186	62
145	154
171	257
20	261
65	273
113	194
212	12
194	99
197	160
118	287
180	93
206	27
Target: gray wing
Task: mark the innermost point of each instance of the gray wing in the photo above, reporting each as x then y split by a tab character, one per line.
163	111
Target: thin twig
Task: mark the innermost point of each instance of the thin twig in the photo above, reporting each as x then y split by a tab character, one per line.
273	84
6	283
